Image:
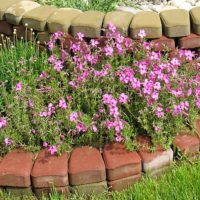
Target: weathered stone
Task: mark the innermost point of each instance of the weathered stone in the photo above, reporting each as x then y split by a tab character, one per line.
152	161
89	23
120	184
50	170
43	37
17	191
189	42
176	22
92	188
148	21
119	162
61	19
4	5
37	18
6	28
39	192
188	144
121	20
163	44
15	169
15	12
86	166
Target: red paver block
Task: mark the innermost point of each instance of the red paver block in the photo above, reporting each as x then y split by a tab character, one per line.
50	170
86	165
189	42
119	162
15	169
6	28
123	183
187	144
152	161
163	44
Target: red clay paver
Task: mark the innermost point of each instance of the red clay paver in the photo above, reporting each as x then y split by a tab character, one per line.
119	162
6	28
189	42
15	169
86	165
163	44
187	144
50	170
155	160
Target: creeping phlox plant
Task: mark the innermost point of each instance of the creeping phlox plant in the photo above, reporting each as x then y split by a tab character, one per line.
102	91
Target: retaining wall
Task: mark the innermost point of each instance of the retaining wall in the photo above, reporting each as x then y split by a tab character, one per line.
88	170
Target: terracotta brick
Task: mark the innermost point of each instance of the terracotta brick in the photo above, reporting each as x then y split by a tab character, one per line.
15	169
163	44
187	144
6	28
39	192
123	183
152	161
189	42
86	166
50	170
119	162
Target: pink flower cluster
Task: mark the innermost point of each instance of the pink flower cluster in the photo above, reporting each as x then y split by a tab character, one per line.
115	122
3	122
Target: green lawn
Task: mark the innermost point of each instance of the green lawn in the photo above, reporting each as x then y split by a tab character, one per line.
181	182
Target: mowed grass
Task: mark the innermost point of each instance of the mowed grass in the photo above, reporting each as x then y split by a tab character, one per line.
180	182
100	5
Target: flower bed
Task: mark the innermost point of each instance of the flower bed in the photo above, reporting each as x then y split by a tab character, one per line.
96	94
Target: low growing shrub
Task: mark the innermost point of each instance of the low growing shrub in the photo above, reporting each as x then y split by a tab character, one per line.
93	94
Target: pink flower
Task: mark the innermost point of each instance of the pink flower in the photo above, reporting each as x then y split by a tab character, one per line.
8	142
184	105
81	127
80	36
62	137
30	104
58	65
94	43
45	144
3	122
198	103
123	98
62	104
18	87
111	27
94	128
142	34
159	112
108	51
118	138
52	149
73	117
107	98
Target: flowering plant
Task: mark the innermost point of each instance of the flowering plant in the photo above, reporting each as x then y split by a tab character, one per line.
92	94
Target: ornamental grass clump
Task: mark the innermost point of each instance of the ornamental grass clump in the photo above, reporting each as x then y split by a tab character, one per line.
92	94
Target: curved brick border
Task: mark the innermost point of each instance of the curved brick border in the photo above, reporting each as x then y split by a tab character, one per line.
87	170
164	27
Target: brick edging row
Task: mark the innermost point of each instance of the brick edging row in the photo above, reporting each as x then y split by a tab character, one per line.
86	170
